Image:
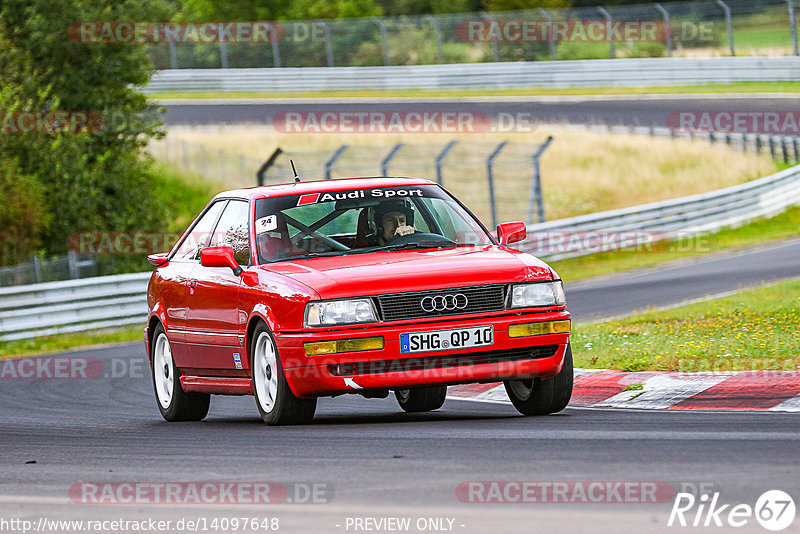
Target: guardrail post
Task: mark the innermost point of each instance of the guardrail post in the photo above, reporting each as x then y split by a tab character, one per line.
551	37
270	161
330	162
440	158
328	43
536	185
728	23
612	53
490	176
387	61
392	153
276	52
173	55
437	33
793	25
487	16
667	27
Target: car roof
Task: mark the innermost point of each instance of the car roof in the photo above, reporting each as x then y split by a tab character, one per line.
320	186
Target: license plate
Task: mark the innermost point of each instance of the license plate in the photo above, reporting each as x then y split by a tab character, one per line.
457	338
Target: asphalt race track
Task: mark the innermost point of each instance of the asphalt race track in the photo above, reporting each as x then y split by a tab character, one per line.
631	111
377	462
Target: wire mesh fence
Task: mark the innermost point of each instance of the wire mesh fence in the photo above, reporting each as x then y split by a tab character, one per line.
697	28
37	270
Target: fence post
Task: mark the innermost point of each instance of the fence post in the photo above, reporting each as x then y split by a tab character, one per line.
267	164
72	263
612	53
667	27
330	162
496	52
173	55
36	264
536	185
223	51
772	146
276	52
437	33
387	61
490	176
328	43
796	150
440	158
551	38
392	153
784	149
793	24
728	23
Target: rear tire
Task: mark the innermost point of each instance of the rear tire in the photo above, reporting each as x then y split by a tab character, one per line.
173	403
275	401
421	399
541	397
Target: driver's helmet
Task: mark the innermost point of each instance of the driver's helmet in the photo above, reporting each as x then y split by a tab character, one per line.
396	204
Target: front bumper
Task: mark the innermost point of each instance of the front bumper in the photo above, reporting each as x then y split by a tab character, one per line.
311	376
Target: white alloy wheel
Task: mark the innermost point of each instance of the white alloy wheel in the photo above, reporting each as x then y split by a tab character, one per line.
163	371
265	372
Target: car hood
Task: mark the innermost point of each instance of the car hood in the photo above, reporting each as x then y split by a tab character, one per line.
398	271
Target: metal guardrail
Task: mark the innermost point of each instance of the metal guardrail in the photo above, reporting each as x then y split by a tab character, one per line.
686	216
72	306
638	72
107	301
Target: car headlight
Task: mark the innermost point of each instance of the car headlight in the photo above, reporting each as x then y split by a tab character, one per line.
541	294
335	312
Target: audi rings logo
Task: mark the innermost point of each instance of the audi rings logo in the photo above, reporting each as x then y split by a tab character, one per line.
444	303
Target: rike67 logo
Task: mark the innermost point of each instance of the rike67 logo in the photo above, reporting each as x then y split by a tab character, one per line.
774	510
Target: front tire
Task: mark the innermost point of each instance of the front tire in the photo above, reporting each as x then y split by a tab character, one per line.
541	397
421	399
173	403
276	402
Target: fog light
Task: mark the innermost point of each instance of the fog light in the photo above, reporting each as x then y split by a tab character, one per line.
538	329
316	348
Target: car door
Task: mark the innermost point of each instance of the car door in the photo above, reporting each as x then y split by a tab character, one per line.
215	320
175	276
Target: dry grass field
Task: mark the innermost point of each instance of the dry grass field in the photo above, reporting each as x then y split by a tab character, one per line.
582	171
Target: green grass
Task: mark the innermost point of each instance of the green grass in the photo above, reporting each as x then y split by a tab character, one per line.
64	342
186	194
739	87
786	224
757	329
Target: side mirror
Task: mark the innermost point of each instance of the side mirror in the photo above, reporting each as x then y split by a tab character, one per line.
219	257
158	259
511	232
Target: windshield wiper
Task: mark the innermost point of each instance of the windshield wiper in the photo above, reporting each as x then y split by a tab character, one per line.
412	245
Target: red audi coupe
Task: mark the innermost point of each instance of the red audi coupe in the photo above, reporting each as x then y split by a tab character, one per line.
364	286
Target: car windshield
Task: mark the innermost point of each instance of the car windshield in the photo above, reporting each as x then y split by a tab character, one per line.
361	221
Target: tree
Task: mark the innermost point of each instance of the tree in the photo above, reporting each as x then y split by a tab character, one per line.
78	182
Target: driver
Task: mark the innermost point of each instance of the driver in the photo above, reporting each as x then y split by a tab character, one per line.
393	218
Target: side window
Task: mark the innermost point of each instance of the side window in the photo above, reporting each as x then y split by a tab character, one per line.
232	231
190	248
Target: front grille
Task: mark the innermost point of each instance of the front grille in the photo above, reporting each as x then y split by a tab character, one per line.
402	365
408	305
